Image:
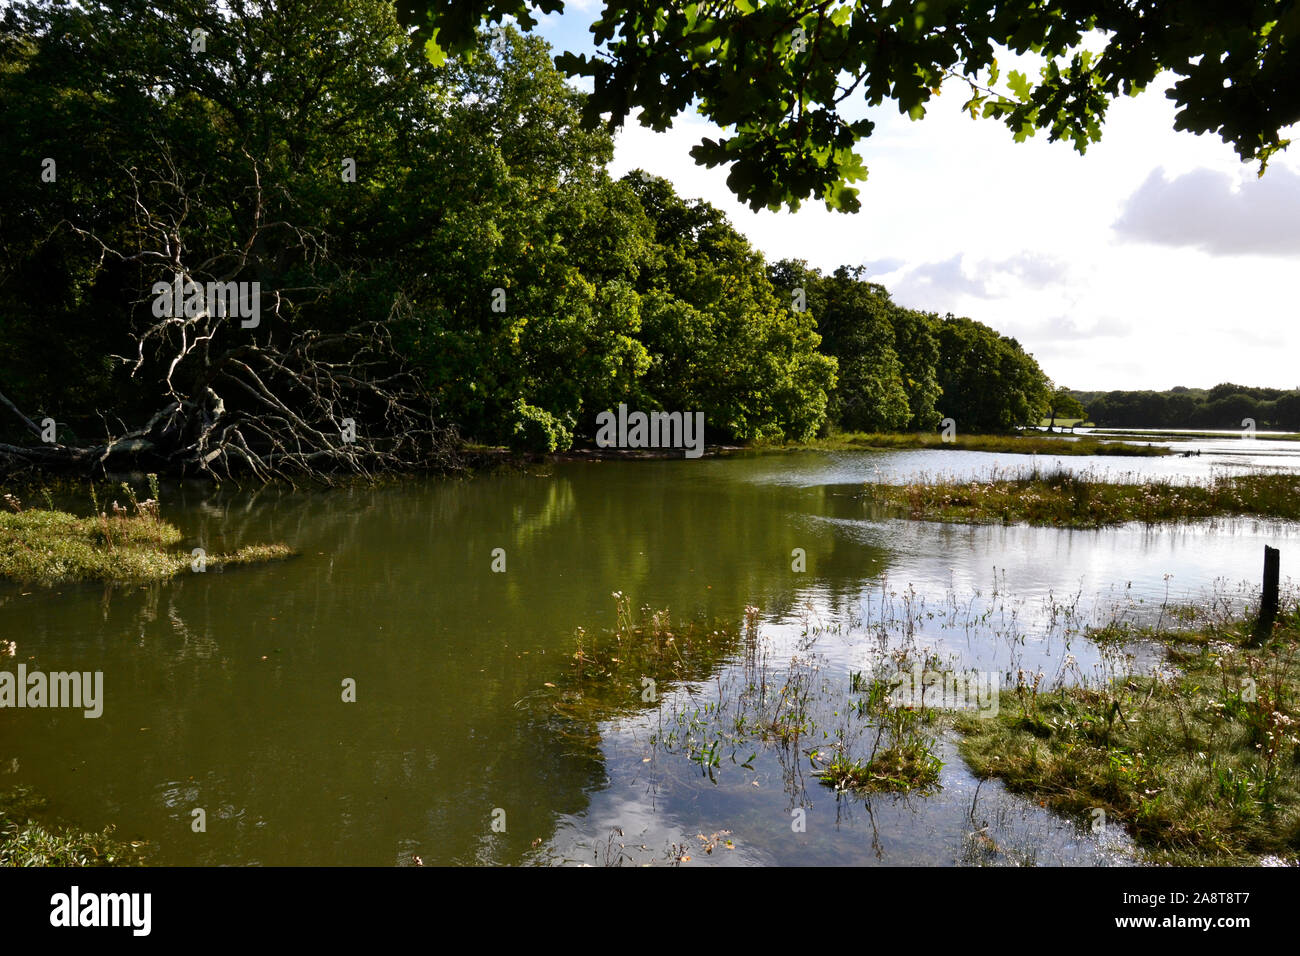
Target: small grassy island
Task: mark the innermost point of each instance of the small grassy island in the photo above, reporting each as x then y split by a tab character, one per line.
133	543
1201	764
1070	500
1019	443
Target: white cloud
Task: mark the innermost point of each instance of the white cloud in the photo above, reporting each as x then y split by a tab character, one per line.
935	286
878	268
1216	212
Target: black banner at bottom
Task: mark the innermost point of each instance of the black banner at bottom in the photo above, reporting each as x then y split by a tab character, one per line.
330	905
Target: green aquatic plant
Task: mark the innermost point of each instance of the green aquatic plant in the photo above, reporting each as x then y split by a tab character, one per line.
26	842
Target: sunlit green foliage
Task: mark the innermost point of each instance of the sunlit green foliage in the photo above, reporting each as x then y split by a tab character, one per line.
989	383
528	289
1063	405
483	230
786	78
903	369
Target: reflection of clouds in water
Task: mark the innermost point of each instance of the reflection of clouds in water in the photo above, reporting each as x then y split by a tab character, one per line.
1017	596
654	828
662	814
660	798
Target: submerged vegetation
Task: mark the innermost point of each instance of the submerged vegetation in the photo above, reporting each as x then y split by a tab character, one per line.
1200	764
854	738
1084	500
120	543
26	842
1198	760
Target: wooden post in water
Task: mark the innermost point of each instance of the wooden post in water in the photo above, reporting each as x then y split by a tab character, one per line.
1268	600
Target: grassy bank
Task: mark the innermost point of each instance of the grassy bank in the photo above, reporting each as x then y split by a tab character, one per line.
1063	499
1020	443
1200	764
1064	423
26	842
133	543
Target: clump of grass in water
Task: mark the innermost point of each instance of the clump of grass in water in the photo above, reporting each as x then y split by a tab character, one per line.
753	705
910	766
1202	765
901	757
26	842
131	544
609	667
1084	500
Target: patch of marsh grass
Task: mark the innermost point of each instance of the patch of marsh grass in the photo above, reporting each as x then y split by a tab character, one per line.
1083	500
1200	765
117	543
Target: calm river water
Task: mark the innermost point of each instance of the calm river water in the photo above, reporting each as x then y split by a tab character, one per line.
223	691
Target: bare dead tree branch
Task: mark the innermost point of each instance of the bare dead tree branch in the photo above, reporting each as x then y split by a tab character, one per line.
278	400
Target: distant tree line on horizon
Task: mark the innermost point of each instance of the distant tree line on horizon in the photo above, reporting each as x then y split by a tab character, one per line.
1224	406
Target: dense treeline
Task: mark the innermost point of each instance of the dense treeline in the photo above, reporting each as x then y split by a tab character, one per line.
440	251
904	369
1223	406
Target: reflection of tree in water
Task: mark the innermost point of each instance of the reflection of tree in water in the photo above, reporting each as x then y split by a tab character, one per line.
236	675
726	544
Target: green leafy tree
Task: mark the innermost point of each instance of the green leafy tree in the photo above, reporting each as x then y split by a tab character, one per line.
989	383
533	321
785	78
918	351
1062	404
721	339
854	318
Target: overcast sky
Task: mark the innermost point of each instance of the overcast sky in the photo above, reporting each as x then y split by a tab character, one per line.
1156	259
